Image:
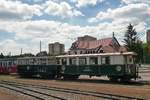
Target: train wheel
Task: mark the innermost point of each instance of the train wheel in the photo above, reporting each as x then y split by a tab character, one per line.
125	79
114	79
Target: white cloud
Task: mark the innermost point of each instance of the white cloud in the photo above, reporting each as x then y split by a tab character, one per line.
17	10
10	46
83	3
32	31
137	14
92	20
62	9
135	1
52	31
139	11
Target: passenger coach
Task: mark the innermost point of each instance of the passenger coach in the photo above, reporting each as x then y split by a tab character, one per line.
45	67
8	65
116	66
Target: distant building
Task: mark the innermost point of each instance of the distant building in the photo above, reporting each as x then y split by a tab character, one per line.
56	48
148	36
88	44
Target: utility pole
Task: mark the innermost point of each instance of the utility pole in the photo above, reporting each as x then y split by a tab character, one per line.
40	46
21	52
113	36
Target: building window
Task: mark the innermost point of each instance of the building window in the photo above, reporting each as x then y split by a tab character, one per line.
75	52
101	51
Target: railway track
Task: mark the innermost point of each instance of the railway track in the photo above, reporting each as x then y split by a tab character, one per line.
37	88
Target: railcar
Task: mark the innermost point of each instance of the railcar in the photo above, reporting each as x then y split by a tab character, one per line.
45	67
116	66
8	65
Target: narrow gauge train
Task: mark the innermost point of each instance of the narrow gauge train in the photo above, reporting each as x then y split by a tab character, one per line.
45	67
8	65
116	66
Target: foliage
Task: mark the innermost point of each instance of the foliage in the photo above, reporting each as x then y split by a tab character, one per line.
1	55
133	43
146	53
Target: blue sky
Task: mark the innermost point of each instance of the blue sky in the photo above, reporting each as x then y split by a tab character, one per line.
23	23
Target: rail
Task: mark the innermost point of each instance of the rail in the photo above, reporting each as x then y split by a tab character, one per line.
75	91
27	91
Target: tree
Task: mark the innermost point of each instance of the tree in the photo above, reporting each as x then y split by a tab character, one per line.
146	54
1	55
133	43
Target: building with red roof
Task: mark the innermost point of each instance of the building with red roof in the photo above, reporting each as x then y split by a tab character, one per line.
88	44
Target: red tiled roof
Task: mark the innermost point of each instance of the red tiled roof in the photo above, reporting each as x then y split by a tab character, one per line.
92	44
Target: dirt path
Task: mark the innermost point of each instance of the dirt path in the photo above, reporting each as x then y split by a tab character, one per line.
7	95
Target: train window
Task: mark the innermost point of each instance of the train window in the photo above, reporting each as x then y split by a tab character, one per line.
43	61
72	61
4	63
93	60
105	60
64	62
9	63
82	61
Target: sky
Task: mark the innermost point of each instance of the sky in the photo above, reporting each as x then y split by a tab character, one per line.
24	23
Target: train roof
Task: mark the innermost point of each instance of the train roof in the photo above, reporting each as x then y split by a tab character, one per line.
6	59
98	54
35	57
